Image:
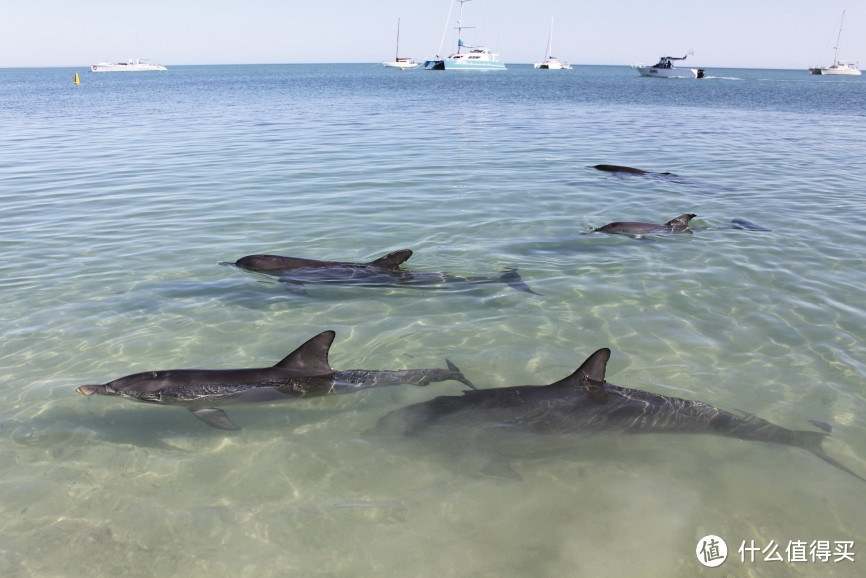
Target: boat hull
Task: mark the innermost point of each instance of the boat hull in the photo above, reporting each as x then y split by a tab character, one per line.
451	64
401	65
652	71
838	69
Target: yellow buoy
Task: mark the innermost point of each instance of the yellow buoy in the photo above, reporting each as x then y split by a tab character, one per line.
76	79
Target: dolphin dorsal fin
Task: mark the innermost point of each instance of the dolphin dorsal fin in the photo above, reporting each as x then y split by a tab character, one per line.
392	260
680	222
311	358
590	376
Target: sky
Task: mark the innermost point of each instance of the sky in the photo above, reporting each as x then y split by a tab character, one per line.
792	34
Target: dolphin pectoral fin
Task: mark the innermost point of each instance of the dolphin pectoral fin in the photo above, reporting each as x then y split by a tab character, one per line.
214	417
292	286
311	358
392	260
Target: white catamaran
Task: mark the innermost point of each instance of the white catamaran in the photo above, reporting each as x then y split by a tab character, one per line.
845	67
551	62
476	57
400	62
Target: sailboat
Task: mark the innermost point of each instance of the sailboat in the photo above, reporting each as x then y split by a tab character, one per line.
399	62
475	57
839	66
551	62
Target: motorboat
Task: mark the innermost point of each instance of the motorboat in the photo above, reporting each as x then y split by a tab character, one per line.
840	67
467	57
131	65
400	62
551	62
665	68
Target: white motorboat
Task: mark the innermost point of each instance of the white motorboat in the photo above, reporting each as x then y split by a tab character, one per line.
665	68
400	62
840	67
551	62
475	58
131	65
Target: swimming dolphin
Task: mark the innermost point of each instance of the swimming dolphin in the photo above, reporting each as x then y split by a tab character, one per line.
630	170
679	224
619	171
676	225
382	271
303	373
585	402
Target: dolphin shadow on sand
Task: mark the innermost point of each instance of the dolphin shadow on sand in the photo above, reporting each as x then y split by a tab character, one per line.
585	402
303	373
681	224
293	272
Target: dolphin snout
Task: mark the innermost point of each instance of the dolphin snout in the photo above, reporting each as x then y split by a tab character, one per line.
91	389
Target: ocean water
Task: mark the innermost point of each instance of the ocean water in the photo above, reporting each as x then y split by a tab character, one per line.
120	197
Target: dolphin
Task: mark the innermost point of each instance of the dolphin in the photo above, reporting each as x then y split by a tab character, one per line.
294	271
681	224
303	373
619	170
676	225
585	402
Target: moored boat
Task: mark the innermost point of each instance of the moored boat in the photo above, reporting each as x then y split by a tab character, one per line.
551	62
400	62
475	57
131	65
839	67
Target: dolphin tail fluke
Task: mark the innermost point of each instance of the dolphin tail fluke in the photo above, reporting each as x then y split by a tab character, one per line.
811	440
457	375
214	417
511	278
393	260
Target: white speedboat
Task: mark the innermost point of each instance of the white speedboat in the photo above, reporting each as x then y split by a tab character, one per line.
131	65
551	62
475	57
841	67
400	62
665	68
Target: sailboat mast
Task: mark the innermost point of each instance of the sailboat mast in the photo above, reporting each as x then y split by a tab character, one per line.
460	27
397	49
838	36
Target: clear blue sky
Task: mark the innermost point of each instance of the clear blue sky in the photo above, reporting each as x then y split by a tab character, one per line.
731	33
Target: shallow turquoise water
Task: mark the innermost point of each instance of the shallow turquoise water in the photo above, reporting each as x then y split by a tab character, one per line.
121	195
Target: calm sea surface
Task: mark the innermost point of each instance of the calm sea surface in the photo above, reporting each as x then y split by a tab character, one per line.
120	197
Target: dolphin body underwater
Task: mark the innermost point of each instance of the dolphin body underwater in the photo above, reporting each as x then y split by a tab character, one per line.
585	402
303	373
384	271
679	224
